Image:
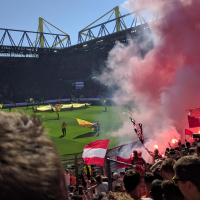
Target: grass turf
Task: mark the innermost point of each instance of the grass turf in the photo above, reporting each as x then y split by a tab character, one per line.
77	136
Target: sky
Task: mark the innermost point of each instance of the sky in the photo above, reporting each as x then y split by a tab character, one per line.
68	15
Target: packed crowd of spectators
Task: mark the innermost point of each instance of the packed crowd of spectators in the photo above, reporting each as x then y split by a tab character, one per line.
30	168
173	176
51	76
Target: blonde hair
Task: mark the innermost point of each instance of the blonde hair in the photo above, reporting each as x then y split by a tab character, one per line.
117	196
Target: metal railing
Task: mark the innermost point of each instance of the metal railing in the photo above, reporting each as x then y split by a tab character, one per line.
75	161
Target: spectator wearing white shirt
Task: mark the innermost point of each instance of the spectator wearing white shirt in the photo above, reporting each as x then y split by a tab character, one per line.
102	186
67	178
116	180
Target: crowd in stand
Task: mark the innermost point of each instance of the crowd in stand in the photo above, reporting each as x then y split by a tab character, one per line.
30	168
175	176
51	76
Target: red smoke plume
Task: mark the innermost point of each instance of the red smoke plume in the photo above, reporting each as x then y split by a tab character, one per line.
166	81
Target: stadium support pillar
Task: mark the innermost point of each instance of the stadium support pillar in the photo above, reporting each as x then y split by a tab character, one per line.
41	32
117	15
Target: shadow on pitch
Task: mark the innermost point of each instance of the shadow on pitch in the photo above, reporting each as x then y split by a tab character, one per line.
90	134
44	120
61	136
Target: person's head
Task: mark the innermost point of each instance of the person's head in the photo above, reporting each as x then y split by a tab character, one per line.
101	195
187	176
119	187
177	148
71	172
171	191
149	178
188	144
115	175
139	152
182	147
167	170
99	179
198	149
172	151
122	174
30	165
156	151
67	171
135	153
131	182
112	154
117	196
191	151
156	190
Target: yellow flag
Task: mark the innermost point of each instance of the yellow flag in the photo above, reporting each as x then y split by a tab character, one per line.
85	123
32	101
58	107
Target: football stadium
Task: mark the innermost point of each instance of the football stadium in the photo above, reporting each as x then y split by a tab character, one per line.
99	101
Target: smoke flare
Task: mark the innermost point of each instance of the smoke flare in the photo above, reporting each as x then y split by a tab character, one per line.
166	81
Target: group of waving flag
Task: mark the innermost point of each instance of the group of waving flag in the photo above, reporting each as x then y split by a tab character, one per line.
94	153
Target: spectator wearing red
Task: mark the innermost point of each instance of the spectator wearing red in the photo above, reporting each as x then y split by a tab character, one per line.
137	160
155	155
142	186
72	178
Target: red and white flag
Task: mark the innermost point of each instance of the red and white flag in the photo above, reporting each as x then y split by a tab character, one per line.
125	160
94	153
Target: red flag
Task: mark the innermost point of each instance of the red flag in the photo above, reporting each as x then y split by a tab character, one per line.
94	153
125	160
187	132
194	112
193	122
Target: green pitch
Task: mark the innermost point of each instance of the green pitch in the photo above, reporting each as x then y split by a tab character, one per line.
77	136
